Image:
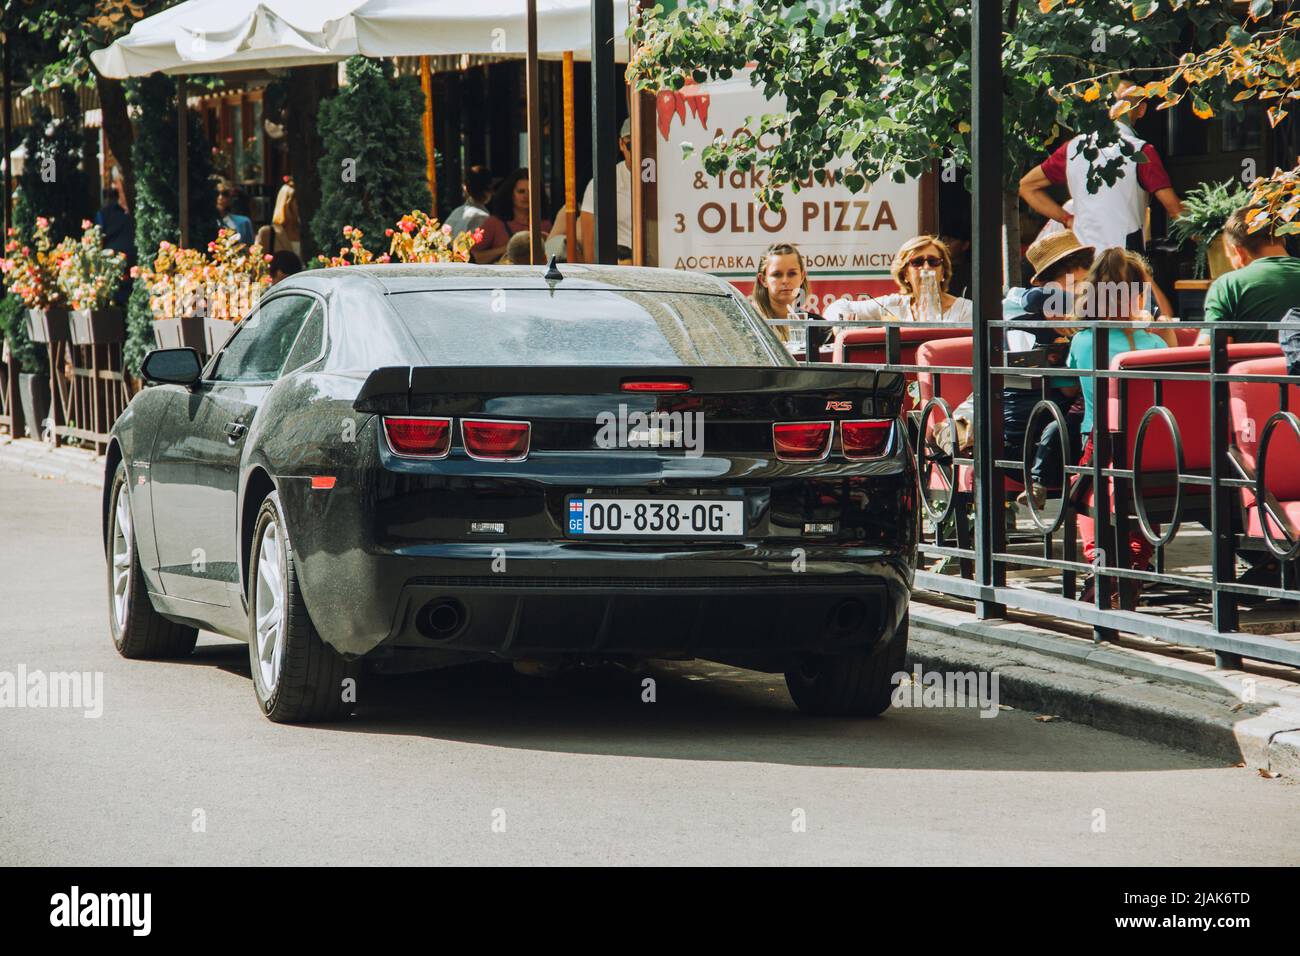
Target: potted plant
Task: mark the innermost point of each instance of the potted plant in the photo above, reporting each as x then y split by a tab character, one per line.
418	237
174	280
89	276
31	271
33	376
1205	210
235	277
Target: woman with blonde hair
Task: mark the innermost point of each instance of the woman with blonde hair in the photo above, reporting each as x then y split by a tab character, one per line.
914	257
283	232
781	288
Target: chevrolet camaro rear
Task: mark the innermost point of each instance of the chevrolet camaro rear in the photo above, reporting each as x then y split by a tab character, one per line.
606	467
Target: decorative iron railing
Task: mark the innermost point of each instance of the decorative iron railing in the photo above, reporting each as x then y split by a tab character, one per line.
1196	451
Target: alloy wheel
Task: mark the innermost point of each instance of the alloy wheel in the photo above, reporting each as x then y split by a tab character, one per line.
122	558
269	607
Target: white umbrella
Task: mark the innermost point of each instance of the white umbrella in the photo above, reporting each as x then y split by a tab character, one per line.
453	27
212	36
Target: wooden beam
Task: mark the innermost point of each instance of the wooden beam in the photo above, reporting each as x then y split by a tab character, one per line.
183	162
430	166
570	155
536	249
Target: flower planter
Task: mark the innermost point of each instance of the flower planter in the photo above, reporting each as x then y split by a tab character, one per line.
1217	257
34	393
49	325
216	331
98	326
185	332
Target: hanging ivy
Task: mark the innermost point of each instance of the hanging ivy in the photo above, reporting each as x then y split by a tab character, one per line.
56	177
157	198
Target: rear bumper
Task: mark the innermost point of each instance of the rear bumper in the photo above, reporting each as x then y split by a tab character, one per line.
758	621
744	604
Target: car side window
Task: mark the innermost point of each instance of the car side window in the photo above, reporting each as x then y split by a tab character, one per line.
259	347
310	340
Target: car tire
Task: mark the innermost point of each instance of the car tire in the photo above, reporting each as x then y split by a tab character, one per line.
297	677
856	684
139	632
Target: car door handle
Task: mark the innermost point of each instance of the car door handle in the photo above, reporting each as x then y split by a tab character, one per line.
235	430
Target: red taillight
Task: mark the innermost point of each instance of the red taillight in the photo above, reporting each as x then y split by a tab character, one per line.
663	385
418	437
866	439
801	441
495	440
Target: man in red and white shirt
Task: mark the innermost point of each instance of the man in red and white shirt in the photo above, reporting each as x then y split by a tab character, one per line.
1111	215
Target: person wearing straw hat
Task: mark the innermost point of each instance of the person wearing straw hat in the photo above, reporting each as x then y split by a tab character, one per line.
1060	263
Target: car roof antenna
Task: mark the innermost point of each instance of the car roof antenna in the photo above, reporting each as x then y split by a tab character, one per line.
553	274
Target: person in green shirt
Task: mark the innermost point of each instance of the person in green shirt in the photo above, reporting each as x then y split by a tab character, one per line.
1263	284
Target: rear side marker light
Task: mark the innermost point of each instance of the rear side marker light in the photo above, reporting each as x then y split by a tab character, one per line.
802	441
322	482
662	385
868	438
418	437
493	440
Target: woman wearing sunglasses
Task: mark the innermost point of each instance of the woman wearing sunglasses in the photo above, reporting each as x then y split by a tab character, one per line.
915	256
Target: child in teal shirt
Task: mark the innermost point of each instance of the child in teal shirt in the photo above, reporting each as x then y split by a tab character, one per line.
1113	292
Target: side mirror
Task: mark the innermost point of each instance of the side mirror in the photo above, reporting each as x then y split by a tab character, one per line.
172	367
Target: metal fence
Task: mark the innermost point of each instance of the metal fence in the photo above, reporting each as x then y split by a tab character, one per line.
1196	450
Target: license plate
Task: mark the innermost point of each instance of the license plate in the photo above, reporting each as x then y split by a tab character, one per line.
666	517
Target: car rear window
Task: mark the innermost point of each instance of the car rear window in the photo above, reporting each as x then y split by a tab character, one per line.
584	327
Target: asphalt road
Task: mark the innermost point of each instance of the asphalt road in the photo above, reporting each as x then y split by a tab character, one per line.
483	766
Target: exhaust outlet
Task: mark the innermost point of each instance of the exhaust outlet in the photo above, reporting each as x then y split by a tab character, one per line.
441	619
847	616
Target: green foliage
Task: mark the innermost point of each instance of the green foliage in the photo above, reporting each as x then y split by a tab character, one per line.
55	181
139	327
157	197
13	327
370	128
1205	209
889	84
59	34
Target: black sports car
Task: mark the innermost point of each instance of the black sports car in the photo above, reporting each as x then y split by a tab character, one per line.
424	465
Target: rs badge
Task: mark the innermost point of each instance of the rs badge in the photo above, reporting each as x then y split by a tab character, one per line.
839	406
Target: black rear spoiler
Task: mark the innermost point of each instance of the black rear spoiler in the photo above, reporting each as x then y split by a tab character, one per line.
389	390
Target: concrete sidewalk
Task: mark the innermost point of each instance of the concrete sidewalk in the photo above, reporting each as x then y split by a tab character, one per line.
75	465
1250	717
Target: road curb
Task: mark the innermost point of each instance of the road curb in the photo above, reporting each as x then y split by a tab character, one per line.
39	459
1229	715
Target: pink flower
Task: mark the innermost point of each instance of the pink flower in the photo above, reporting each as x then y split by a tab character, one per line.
407	226
42	222
347	230
446	230
85	224
268	257
388	231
